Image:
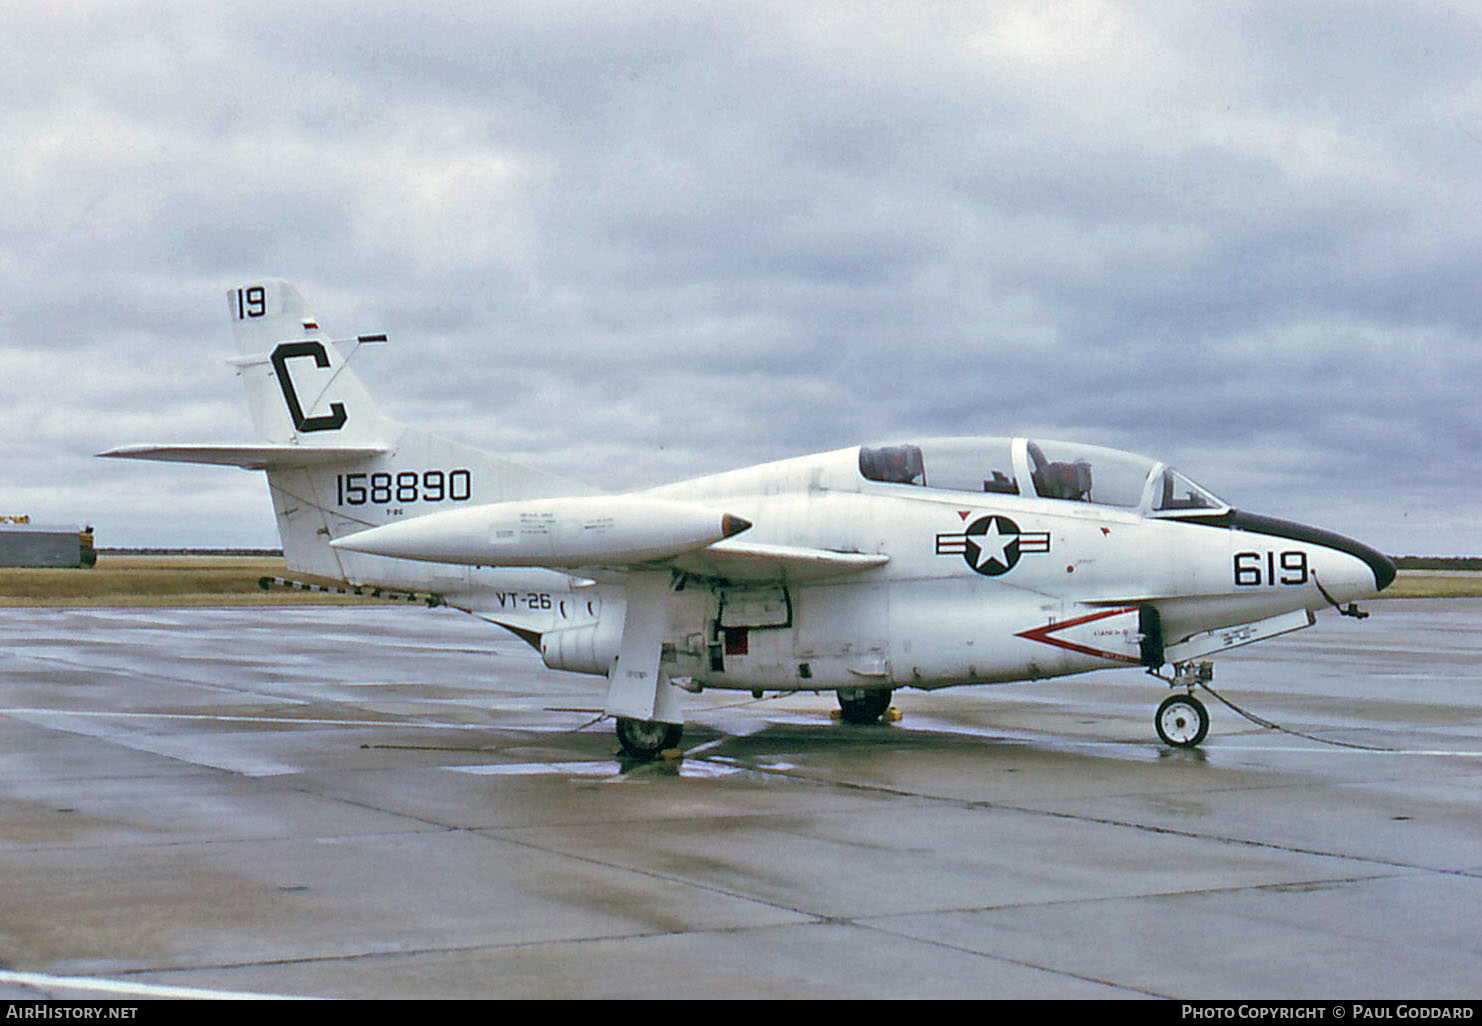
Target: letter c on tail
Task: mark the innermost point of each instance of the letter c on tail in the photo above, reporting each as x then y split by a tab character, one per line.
331	421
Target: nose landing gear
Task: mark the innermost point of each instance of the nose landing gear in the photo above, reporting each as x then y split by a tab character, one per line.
1181	720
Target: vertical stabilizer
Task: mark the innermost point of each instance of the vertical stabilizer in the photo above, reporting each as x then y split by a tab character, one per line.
302	392
299	385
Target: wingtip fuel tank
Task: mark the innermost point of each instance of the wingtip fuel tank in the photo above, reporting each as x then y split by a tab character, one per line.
570	532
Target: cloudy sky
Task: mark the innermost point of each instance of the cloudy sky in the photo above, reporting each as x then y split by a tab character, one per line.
640	241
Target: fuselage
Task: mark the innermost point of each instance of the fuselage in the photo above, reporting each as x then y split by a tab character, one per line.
1094	558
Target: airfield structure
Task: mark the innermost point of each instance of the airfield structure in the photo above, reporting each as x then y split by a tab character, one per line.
24	544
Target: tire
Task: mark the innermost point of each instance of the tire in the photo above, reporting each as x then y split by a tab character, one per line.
1182	721
863	707
645	739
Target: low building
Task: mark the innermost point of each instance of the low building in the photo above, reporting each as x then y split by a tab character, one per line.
25	544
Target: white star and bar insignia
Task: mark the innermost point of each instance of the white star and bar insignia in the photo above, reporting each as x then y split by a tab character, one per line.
992	545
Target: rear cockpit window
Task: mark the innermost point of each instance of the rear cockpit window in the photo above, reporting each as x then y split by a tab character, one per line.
964	465
893	464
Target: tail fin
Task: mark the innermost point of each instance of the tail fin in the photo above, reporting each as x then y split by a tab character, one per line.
302	393
299	386
335	463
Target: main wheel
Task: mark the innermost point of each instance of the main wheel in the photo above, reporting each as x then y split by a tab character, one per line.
863	706
1182	721
645	739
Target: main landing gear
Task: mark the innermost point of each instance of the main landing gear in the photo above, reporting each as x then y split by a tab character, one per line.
1181	720
863	705
643	740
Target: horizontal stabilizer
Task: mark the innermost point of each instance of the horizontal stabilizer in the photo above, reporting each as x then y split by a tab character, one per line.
250	457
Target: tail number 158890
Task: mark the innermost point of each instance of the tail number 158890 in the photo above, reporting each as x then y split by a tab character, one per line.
384	488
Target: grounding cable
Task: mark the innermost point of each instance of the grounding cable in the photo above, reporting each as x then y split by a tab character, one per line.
1262	722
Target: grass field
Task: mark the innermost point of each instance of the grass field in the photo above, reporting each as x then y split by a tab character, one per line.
232	581
1435	584
163	581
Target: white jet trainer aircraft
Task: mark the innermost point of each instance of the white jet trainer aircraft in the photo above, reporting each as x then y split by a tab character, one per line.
925	565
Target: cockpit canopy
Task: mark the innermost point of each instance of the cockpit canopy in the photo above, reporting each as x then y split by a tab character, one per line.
1048	470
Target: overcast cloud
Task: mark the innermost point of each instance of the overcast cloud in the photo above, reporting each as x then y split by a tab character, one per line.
636	242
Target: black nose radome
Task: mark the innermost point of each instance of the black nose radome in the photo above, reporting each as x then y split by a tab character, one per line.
1382	565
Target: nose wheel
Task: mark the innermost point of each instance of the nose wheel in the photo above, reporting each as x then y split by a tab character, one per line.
1182	721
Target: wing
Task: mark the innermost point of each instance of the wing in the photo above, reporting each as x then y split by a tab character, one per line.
740	562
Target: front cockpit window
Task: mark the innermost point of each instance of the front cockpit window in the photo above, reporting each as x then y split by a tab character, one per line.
1088	473
1177	493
